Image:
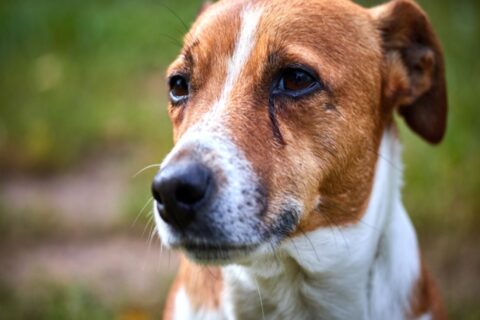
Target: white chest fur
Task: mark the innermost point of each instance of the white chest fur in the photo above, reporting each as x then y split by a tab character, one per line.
362	271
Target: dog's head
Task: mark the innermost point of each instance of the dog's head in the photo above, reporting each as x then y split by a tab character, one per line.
278	110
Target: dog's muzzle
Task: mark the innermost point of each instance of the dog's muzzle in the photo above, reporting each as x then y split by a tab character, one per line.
210	203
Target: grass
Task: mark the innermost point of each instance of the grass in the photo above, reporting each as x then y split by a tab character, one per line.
87	77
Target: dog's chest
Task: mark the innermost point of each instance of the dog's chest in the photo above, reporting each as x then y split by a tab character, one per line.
290	292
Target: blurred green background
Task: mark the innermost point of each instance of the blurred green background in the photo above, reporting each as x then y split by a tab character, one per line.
82	109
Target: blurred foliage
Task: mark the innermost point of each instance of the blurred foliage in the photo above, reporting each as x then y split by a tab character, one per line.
80	75
85	77
51	301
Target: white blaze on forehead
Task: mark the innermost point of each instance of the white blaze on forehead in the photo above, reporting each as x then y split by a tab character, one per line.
210	142
244	45
246	41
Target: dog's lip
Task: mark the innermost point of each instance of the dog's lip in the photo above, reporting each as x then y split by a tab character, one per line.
215	252
214	246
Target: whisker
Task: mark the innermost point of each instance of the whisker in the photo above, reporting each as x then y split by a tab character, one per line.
210	272
260	296
152	235
149	223
295	246
339	230
172	39
274	252
346	213
148	248
176	16
310	241
332	229
330	219
141	211
386	159
155	165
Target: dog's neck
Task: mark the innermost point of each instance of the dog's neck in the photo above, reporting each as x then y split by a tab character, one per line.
363	271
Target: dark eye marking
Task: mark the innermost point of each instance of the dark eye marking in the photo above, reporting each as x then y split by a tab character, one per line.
179	89
294	81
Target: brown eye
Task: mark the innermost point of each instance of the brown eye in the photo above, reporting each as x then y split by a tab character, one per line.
296	79
296	82
179	89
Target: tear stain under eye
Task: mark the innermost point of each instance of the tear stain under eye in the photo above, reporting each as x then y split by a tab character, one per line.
277	135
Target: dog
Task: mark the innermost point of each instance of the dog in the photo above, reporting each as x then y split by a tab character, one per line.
283	187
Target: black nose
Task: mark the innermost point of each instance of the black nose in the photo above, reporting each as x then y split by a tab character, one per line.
180	189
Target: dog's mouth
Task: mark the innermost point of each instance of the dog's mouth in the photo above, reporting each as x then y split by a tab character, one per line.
232	241
216	253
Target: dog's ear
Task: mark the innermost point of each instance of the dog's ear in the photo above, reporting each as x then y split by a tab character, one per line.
414	74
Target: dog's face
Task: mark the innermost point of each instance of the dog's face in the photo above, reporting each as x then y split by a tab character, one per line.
278	109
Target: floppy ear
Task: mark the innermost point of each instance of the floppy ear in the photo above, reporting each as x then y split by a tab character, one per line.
414	73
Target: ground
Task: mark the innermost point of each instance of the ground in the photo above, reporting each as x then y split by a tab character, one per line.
82	242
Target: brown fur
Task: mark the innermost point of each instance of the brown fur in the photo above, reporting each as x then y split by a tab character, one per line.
202	284
426	298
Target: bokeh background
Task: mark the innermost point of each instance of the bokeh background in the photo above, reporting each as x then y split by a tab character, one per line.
82	109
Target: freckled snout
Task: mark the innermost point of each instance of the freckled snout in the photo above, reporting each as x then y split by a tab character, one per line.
209	202
181	189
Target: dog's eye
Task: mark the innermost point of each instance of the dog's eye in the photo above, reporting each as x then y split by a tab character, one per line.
178	89
296	82
296	79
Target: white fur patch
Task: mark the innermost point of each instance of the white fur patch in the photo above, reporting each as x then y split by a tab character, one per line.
243	48
426	316
210	123
183	310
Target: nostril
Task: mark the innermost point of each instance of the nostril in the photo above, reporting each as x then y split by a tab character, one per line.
193	192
